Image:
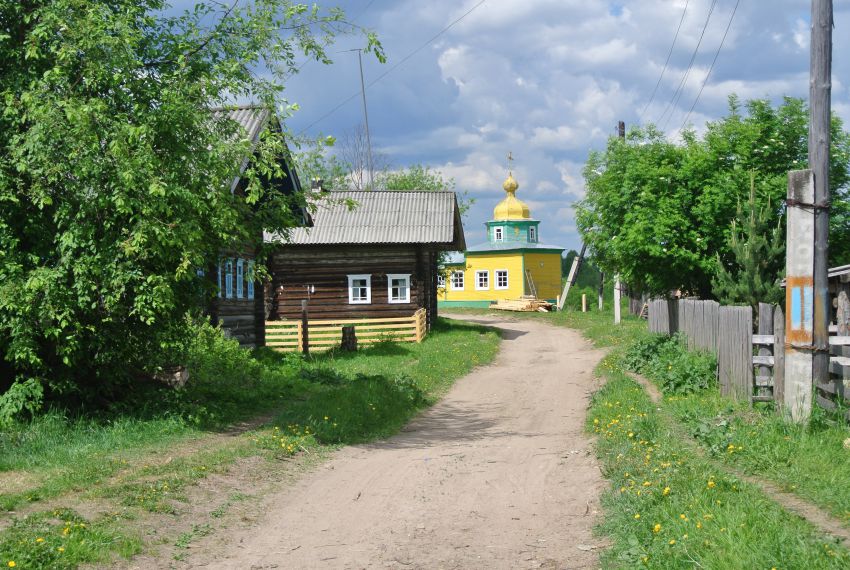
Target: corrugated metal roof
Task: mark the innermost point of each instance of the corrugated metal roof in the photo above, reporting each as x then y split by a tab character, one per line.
381	217
509	246
251	118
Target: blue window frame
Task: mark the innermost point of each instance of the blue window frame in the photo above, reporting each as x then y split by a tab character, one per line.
250	279
240	273
220	288
228	278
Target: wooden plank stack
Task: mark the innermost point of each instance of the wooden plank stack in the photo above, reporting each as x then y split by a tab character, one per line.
523	304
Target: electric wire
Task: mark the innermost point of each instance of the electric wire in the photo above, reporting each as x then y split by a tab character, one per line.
667	61
393	68
678	93
711	67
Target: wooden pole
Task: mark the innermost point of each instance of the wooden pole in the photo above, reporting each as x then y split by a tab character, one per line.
305	334
601	289
820	88
617	299
571	278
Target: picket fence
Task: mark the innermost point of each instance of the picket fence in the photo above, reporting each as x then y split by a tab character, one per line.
324	334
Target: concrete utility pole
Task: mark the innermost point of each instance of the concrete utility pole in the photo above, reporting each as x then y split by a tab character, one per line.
621	132
807	304
366	119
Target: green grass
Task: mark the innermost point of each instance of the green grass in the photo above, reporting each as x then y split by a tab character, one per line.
669	508
727	523
115	455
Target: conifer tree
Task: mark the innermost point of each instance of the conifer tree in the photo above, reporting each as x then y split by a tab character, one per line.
757	253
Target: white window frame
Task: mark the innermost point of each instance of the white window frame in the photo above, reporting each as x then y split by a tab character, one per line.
351	299
228	277
441	281
496	280
406	278
240	277
462	281
532	233
251	278
486	274
499	233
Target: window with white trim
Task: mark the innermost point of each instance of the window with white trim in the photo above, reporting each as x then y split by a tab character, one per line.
228	278
501	279
359	289
457	280
251	277
482	280
532	233
398	287
240	276
499	233
441	281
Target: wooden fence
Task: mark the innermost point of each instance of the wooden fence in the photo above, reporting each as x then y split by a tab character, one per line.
750	366
287	335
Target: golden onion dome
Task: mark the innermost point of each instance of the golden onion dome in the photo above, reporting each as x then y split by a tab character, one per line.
511	208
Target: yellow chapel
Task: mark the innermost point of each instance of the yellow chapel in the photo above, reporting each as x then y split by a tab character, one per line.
512	263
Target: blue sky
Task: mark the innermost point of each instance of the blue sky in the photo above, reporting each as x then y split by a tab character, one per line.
548	80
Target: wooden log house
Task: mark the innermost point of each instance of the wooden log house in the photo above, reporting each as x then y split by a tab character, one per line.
377	259
239	306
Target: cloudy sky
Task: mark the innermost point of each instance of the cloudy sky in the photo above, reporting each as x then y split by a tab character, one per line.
548	80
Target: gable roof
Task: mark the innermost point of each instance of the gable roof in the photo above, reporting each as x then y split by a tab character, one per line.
381	216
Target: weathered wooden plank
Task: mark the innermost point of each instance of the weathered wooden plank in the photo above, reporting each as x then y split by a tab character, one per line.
763	360
779	357
764	381
762	398
839	340
763	339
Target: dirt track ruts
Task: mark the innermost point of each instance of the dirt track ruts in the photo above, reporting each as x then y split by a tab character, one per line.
499	474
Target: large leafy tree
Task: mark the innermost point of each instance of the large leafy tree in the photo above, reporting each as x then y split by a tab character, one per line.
661	213
115	176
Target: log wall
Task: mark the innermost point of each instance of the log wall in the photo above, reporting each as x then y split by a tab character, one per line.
326	268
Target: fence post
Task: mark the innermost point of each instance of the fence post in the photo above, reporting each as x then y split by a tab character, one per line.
305	332
778	358
617	299
766	328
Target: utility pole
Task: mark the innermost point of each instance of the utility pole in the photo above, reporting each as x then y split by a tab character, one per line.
807	305
820	92
366	118
621	132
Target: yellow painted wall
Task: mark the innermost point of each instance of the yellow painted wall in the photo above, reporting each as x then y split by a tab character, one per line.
545	270
492	263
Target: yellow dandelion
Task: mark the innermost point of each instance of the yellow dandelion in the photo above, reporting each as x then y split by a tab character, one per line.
672	541
637	515
711	485
666	491
11	564
646	483
699	524
39	539
683	517
61	549
657	528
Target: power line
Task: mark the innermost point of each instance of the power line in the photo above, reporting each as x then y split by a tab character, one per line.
717	53
678	93
308	60
667	61
393	68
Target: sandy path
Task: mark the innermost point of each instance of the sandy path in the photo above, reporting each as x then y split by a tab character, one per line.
497	475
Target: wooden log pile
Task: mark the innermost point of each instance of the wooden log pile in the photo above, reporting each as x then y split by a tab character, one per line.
523	304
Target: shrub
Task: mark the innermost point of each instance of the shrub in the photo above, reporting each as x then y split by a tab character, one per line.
667	361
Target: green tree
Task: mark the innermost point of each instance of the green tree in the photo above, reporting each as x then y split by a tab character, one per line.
115	176
660	213
756	245
419	177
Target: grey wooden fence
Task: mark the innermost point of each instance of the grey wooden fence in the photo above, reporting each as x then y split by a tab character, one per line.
735	352
663	316
699	321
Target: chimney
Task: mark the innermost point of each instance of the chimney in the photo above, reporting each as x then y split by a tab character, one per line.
316	186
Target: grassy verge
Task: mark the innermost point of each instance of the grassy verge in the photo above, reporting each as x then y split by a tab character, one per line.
143	458
668	507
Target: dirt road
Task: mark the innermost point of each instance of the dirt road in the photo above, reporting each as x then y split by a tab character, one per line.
497	475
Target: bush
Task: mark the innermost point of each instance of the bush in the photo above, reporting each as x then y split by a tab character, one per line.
667	361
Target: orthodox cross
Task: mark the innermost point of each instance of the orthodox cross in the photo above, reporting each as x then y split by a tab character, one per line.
510	161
